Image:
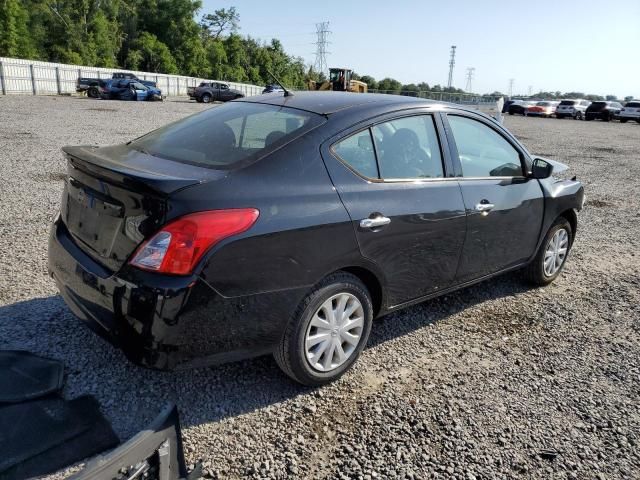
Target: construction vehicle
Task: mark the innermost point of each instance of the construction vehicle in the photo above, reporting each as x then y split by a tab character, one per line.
340	81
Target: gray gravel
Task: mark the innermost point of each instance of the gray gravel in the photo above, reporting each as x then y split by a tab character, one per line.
495	381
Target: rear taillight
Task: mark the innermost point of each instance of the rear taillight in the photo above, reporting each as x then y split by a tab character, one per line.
177	248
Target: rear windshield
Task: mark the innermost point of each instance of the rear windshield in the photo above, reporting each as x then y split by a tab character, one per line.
599	104
228	136
568	102
633	104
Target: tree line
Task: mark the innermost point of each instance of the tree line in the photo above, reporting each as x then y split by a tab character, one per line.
168	36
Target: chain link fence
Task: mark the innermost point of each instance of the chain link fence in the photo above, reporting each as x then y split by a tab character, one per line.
31	77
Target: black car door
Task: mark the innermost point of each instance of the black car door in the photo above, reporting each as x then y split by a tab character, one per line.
504	206
408	217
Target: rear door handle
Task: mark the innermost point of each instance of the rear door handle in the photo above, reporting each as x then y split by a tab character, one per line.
374	222
484	207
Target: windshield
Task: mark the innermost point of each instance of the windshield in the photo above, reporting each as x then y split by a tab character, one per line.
228	136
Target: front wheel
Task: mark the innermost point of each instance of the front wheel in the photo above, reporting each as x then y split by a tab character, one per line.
623	120
206	98
552	255
327	332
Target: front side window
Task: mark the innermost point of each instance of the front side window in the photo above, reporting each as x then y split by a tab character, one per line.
357	152
482	151
229	135
408	148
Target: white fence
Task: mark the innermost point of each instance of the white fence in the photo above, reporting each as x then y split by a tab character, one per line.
32	77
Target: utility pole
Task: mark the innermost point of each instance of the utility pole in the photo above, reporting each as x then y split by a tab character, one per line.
452	62
511	81
530	90
322	30
470	71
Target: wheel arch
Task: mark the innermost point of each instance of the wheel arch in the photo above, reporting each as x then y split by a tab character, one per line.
372	282
572	218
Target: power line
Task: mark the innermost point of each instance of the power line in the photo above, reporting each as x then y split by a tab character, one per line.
452	62
322	30
470	71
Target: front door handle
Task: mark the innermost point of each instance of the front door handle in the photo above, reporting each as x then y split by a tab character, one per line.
484	207
379	221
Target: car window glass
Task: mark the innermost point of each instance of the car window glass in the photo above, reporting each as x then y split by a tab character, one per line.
226	136
408	148
357	152
483	152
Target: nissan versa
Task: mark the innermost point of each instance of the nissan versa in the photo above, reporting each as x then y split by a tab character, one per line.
284	224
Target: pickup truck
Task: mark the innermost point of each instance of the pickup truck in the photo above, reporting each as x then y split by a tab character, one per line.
92	85
208	92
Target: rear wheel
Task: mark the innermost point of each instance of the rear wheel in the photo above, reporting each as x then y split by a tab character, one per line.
623	120
93	92
559	116
552	255
327	332
206	98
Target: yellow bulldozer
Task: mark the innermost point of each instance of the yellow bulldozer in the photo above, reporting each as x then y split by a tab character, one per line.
340	81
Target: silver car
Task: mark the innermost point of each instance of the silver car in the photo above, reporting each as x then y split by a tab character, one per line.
574	108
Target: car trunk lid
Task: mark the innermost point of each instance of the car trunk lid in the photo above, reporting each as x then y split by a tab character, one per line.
114	197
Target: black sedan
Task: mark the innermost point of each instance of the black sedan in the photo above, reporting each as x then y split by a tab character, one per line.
285	224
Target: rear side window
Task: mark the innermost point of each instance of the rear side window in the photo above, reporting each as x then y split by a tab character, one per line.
408	148
228	136
483	152
357	152
633	104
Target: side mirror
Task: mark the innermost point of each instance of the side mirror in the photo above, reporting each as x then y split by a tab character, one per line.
541	169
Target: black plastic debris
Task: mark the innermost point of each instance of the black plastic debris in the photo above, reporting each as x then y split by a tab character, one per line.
25	376
43	436
153	453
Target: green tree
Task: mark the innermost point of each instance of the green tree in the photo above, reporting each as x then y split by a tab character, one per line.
389	84
220	22
15	40
371	82
150	54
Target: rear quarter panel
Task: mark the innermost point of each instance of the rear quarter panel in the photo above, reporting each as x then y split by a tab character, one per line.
303	231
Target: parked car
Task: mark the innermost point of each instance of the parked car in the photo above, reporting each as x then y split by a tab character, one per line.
92	85
606	111
572	108
208	92
519	107
543	109
630	111
128	90
285	225
272	89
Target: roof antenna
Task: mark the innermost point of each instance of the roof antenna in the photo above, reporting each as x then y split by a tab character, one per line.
287	93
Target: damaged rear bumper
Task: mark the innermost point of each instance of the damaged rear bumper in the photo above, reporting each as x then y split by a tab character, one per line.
164	322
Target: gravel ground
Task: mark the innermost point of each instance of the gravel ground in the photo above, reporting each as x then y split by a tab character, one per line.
495	381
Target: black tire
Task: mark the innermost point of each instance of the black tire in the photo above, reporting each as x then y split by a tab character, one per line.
291	353
578	116
199	100
510	113
93	92
559	116
623	120
638	120
206	98
534	272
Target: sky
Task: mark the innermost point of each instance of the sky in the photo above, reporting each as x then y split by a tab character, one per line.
568	45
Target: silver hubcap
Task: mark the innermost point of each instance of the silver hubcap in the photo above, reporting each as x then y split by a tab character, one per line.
334	332
556	252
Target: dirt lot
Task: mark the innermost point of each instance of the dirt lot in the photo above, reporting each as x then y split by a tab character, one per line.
495	381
